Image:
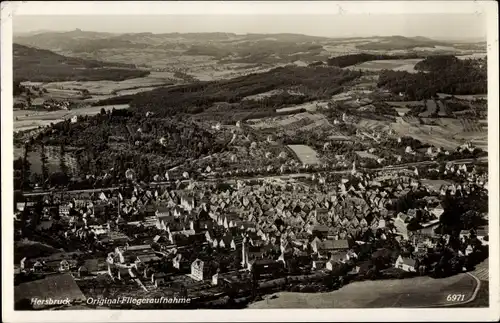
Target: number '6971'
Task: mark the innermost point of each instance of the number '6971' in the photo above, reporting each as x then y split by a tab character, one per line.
455	297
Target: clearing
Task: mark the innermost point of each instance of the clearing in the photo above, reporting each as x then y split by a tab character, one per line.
395	64
365	154
306	154
292	123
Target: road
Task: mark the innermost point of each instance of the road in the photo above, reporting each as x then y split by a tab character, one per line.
287	176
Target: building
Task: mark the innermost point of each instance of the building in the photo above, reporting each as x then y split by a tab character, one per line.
64	210
266	267
318	264
406	264
199	270
325	248
158	279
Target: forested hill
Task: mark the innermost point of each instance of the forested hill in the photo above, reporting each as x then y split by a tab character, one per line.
40	65
311	82
438	74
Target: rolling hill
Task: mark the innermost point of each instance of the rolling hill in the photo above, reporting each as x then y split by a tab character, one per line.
206	54
40	65
401	42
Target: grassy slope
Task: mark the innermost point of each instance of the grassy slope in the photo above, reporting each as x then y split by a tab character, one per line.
413	292
32	249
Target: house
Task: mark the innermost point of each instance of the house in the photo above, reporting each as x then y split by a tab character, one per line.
338	258
83	271
401	227
158	279
266	267
331	264
320	231
64	210
215	279
124	272
115	237
37	266
162	211
318	264
437	211
146	248
55	287
481	233
64	265
469	250
406	264
147	259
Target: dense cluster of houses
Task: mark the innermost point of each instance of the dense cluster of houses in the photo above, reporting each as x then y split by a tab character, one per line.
152	235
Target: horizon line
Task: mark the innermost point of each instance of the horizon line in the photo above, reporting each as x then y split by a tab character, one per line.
41	31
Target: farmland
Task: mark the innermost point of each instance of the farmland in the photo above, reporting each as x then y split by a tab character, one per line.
396	65
27	119
292	123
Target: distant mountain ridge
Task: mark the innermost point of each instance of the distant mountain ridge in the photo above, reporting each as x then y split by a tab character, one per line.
79	40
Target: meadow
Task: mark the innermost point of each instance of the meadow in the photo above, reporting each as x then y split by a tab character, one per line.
413	292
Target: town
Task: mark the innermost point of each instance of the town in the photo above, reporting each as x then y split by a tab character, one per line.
222	244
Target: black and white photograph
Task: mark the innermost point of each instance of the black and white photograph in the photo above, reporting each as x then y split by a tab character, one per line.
250	156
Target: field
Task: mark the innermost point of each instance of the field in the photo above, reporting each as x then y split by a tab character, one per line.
306	154
431	106
374	125
397	65
365	154
292	123
464	97
434	184
413	292
470	125
403	104
442	134
29	119
402	111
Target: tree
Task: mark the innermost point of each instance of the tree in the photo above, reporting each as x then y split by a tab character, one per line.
62	161
17	90
44	160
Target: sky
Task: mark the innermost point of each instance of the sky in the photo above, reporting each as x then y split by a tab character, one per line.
439	26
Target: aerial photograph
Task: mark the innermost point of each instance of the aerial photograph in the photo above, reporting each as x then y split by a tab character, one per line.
250	162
